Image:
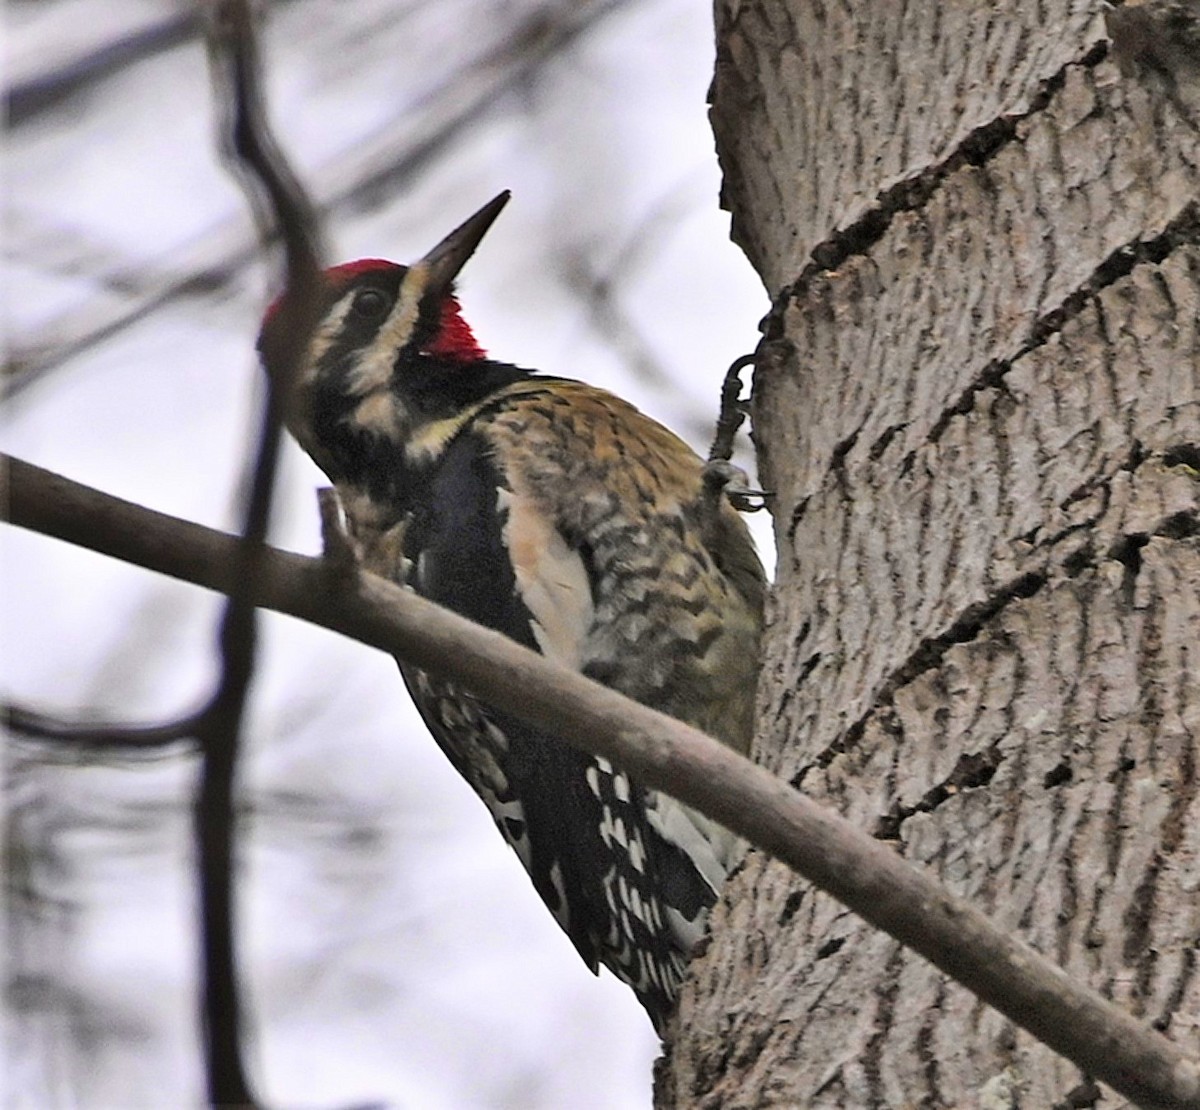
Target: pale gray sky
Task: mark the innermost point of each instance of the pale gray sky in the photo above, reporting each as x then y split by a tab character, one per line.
395	948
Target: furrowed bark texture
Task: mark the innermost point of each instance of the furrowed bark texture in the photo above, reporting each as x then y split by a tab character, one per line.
979	410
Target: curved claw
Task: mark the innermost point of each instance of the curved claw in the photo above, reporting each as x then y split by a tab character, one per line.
721	476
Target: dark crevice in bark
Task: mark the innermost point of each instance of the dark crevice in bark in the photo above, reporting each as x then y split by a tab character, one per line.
1113	818
1059	775
889	990
992	377
1084	558
973	769
810	665
1127	550
881	444
975	149
796	517
1183	454
1179	526
1184	230
1184	789
975	618
830	948
837	460
1137	950
1080	560
1178	989
1138	454
932	650
1082	1097
1068	915
927	1052
753	1043
927	656
1122	768
791	906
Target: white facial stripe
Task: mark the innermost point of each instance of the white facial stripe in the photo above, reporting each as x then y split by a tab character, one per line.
374	366
327	331
379	412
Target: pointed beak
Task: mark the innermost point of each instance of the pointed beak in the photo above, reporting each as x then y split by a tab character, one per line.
450	255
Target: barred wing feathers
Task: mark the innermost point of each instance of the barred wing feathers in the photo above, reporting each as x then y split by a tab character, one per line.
616	865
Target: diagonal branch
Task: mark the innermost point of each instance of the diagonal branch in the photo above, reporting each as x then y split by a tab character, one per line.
904	901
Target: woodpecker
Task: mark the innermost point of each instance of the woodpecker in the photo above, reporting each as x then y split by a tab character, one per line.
561	516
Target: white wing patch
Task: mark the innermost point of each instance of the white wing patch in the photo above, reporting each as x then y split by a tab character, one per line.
551	579
462	724
709	845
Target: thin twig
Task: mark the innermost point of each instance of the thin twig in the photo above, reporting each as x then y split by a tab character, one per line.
393	159
868	876
79	75
597	287
40	726
280	204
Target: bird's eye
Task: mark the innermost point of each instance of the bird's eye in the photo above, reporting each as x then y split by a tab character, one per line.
369	304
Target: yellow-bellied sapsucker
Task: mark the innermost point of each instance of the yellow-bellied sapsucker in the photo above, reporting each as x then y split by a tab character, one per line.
559	515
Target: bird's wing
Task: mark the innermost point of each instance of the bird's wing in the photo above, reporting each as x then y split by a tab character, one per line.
615	877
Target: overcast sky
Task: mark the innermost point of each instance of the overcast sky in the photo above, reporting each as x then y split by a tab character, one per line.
394	948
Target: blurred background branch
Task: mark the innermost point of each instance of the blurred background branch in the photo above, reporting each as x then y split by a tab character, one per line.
281	208
380	164
381	917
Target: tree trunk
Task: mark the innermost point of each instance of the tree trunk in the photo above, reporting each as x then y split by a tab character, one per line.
978	408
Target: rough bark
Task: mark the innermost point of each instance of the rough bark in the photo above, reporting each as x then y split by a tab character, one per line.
979	412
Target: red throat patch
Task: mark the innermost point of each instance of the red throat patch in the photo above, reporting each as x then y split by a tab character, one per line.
454	338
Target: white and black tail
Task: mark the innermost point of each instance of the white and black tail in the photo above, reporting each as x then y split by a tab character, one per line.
627	873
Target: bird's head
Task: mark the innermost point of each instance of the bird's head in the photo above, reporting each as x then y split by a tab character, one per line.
391	354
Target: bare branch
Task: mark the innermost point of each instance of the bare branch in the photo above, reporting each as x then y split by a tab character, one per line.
866	875
28	99
280	204
383	164
39	726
